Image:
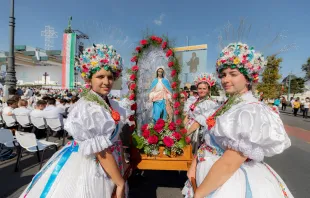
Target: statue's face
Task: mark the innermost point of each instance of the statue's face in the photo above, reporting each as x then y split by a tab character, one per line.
160	73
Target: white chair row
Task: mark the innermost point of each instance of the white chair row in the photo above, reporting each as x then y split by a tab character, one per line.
26	141
24	121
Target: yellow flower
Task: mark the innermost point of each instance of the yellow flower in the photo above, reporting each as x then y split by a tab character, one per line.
94	63
218	62
83	74
236	61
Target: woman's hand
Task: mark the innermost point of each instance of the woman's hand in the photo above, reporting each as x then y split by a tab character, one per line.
120	190
191	173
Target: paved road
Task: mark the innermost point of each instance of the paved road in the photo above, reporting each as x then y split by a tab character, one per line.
293	166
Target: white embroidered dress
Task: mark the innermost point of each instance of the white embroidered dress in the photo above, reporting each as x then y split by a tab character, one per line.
81	176
256	131
199	114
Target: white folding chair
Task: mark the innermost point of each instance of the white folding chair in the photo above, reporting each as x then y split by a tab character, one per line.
28	141
23	121
7	138
56	124
39	123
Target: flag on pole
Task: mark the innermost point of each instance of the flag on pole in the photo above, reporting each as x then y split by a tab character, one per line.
68	58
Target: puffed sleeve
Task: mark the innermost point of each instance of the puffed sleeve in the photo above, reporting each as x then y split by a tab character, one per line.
252	129
204	110
91	126
188	103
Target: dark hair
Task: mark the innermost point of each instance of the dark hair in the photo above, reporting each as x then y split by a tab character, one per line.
11	101
62	101
51	101
157	72
41	102
23	102
74	99
46	98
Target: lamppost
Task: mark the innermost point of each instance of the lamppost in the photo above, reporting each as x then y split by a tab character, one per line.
10	79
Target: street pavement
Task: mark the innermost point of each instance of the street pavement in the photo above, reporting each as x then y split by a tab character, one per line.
293	166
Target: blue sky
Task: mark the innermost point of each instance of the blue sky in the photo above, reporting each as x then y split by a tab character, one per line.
122	23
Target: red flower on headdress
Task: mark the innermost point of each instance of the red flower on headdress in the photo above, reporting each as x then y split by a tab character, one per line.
143	42
132	77
135	68
173	73
169	53
164	45
134	59
170	64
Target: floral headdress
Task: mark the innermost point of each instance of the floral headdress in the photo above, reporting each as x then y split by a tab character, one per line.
243	57
205	77
100	56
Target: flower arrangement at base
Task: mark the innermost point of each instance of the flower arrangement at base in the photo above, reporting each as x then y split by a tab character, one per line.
163	134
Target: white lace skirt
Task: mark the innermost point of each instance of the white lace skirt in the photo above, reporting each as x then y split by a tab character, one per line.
252	180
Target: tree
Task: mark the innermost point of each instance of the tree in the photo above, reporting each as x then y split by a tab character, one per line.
306	68
270	86
297	85
215	90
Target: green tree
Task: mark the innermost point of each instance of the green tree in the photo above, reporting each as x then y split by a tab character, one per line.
306	68
270	85
215	90
297	86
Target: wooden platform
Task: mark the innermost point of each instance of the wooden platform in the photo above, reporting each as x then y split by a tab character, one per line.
163	162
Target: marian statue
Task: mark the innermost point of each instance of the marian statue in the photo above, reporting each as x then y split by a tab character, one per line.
161	95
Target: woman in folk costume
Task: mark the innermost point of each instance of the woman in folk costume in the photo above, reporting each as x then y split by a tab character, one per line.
196	110
239	135
92	165
160	95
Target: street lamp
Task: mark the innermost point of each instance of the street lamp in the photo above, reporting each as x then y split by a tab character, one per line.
10	79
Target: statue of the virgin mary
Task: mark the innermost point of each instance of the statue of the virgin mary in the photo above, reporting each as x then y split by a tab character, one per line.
160	95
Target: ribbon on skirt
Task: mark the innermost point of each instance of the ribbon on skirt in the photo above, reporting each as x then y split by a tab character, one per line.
64	155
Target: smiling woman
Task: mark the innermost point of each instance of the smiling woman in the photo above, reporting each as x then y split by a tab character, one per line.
92	165
238	136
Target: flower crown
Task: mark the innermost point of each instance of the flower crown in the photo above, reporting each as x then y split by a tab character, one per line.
243	57
205	77
100	56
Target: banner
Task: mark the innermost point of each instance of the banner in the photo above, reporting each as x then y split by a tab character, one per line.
68	58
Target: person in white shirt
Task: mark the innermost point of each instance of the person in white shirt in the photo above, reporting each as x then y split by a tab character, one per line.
51	111
62	104
38	111
22	109
7	113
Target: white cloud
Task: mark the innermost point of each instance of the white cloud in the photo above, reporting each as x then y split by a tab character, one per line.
159	21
